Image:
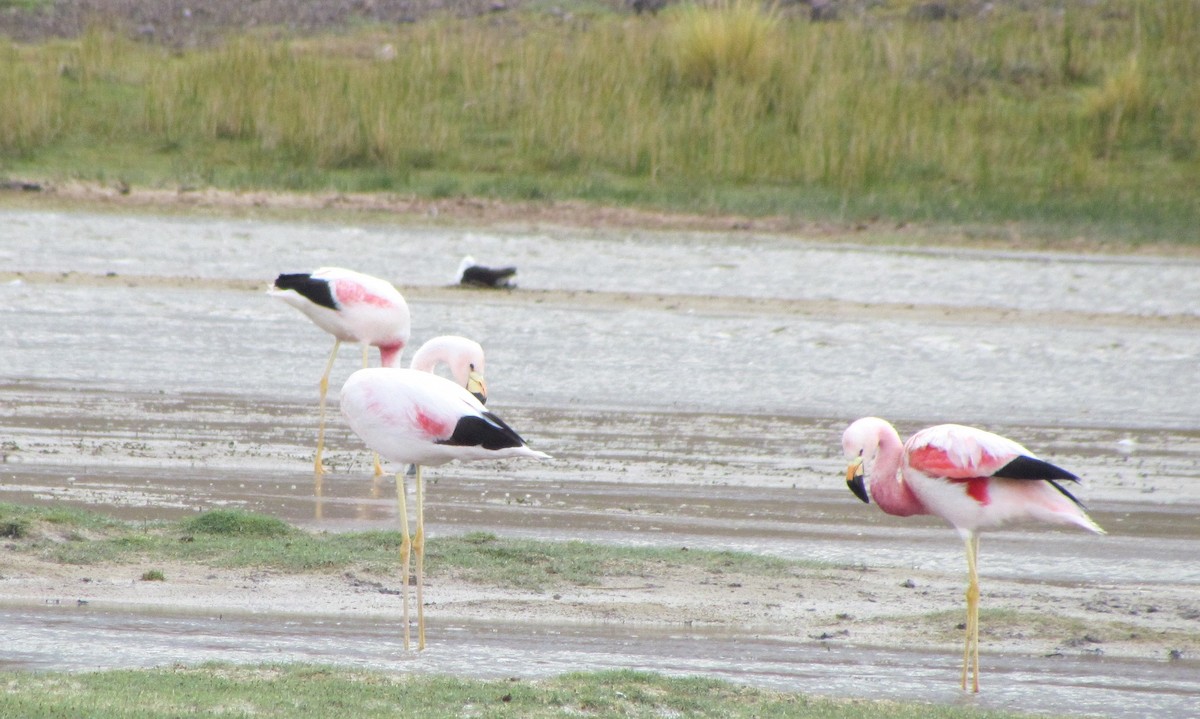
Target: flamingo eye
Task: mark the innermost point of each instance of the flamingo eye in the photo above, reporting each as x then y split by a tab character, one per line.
860	453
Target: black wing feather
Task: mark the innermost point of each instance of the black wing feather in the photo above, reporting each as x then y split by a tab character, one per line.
488	431
487	276
1024	467
314	290
1035	469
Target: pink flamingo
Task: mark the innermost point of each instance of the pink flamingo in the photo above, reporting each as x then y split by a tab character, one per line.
973	479
419	418
352	307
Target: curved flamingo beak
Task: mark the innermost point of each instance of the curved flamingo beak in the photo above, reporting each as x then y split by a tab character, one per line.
477	387
854	480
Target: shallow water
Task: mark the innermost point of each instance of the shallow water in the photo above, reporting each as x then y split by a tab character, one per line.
672	422
734	264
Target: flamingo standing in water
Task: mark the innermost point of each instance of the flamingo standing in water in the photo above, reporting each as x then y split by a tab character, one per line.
413	417
352	307
973	479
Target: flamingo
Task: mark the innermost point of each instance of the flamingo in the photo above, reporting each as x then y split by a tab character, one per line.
463	356
352	307
419	418
973	479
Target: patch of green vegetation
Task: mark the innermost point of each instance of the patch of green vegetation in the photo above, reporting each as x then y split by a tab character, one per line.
233	522
23	4
231	538
153	575
64	520
299	692
16	528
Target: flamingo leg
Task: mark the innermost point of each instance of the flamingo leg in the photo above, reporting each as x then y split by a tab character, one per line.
366	363
971	643
419	548
318	468
318	496
405	548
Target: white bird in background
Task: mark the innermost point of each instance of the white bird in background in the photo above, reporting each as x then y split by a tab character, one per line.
463	356
475	275
971	478
414	417
352	307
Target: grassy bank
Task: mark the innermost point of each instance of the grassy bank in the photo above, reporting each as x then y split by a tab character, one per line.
229	538
297	692
1077	120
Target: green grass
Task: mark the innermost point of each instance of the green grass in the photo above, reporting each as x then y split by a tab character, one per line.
230	538
297	692
1075	118
236	523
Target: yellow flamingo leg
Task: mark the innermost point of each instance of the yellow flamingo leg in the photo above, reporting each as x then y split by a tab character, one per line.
405	549
419	548
971	644
318	468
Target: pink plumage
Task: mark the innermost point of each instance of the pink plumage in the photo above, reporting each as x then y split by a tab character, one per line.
958	473
971	478
352	307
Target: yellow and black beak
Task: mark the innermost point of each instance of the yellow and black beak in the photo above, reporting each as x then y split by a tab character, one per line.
477	387
854	480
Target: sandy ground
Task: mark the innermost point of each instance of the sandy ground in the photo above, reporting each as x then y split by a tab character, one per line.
876	606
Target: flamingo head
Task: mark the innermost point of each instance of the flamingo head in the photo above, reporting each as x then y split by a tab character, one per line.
860	443
854	480
476	385
464	358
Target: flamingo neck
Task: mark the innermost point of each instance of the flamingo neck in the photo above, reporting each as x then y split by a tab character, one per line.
888	487
389	355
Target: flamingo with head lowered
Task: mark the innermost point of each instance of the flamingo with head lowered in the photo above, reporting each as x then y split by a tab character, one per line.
413	417
973	479
352	307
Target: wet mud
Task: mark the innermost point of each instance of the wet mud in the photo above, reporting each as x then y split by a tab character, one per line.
692	388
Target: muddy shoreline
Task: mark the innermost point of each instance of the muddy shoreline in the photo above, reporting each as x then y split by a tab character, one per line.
700	407
540	216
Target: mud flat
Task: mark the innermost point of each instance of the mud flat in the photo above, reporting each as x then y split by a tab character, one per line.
692	387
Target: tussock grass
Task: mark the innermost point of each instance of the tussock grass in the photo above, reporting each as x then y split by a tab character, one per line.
231	538
1084	115
731	40
238	523
297	692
